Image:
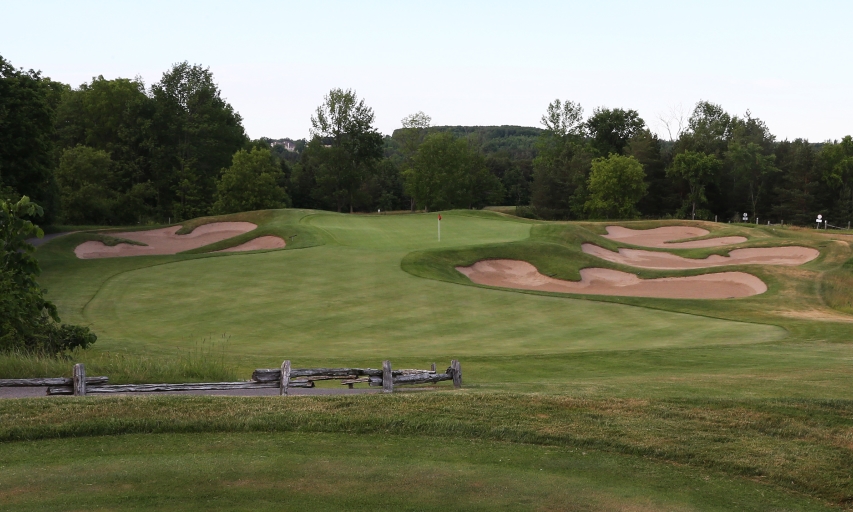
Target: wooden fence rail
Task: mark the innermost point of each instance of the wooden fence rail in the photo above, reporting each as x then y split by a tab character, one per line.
282	378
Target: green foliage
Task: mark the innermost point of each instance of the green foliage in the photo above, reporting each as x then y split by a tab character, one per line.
446	173
752	169
610	130
195	133
28	322
343	166
562	163
616	185
253	182
27	104
84	177
697	169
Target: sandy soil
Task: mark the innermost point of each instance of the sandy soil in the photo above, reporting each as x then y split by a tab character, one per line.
163	241
600	281
789	256
257	244
662	237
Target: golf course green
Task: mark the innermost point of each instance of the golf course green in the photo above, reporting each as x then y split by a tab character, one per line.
570	401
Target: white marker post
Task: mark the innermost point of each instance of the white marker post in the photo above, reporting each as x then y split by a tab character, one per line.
819	221
439	227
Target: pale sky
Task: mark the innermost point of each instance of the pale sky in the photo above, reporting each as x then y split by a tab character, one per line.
463	63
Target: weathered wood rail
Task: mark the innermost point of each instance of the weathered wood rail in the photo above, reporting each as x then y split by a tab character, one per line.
282	378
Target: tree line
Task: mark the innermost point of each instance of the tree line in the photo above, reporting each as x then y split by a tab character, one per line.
118	152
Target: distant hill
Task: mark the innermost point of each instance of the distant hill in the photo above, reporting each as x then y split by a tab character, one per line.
518	141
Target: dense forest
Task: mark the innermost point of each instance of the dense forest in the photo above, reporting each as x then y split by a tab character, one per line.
118	152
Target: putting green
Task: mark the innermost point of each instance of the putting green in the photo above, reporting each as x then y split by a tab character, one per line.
420	231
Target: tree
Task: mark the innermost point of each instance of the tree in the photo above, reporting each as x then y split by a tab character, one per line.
561	165
447	173
836	160
85	183
697	169
28	322
752	169
800	189
355	146
27	104
193	135
253	182
611	129
616	185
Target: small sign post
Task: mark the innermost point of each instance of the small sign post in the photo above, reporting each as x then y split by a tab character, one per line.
819	221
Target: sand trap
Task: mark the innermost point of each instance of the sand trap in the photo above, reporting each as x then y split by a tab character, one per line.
257	244
661	237
789	256
163	241
601	281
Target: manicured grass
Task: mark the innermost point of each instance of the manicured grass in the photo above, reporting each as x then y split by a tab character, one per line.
293	471
661	393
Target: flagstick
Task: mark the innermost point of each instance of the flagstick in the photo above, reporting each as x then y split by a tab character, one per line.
439	230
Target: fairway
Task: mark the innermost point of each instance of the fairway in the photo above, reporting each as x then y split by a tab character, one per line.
353	301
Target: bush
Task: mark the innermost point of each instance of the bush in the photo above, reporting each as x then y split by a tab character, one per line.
29	322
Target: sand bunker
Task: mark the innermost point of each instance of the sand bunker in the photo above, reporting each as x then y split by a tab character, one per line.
600	281
661	237
789	256
257	244
163	241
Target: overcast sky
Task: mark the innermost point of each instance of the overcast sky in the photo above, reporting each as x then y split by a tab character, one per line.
464	63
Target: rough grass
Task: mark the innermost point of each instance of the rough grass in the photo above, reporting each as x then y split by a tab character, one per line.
338	471
204	362
800	445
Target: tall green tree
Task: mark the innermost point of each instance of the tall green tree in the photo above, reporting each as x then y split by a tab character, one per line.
27	106
253	182
697	170
447	173
836	161
610	130
86	184
194	133
753	169
562	163
800	190
616	185
355	145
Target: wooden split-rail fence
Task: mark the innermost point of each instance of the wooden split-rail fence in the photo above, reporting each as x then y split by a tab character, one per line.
282	378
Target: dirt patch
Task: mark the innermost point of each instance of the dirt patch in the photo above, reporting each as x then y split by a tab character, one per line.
787	256
163	241
257	244
600	281
663	237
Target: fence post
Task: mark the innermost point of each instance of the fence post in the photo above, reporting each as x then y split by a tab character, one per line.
285	378
387	377
79	380
432	368
457	373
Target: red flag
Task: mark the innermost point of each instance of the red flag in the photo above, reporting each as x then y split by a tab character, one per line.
439	216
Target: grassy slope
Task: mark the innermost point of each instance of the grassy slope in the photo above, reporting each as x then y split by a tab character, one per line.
346	472
650	378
